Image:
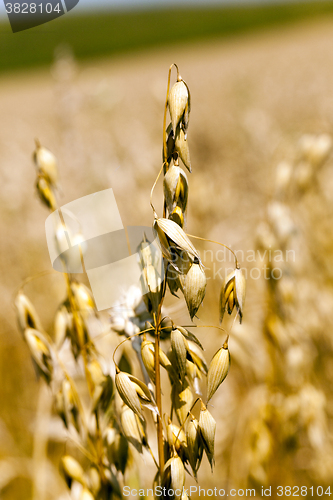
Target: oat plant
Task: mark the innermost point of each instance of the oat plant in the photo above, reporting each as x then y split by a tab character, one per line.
108	400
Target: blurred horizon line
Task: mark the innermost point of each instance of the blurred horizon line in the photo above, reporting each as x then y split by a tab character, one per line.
105	33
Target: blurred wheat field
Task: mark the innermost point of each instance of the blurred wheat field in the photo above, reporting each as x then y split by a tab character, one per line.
253	97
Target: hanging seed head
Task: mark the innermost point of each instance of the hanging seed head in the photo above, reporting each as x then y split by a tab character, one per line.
190	336
177	474
175	186
182	398
40	352
233	294
132	428
218	370
128	393
176	437
46	194
181	146
191	371
174	475
207	427
179	348
178	102
46	164
26	313
193	285
171	235
151	288
94	480
134	393
72	470
146	253
96	373
194	444
151	269
86	495
63	325
148	358
193	375
83	297
65	405
79	335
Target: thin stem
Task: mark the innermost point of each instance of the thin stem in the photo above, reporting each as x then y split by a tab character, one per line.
152	190
206	326
152	454
40	442
82	449
32	278
218	243
158	394
129	338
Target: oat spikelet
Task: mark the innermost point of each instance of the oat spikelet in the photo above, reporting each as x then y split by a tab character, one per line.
181	146
175	186
194	444
171	235
40	352
46	194
179	348
218	370
72	470
86	495
178	102
193	285
134	393
26	313
132	428
182	398
233	294
174	476
207	427
46	164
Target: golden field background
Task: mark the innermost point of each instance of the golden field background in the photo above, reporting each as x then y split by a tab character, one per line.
253	97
